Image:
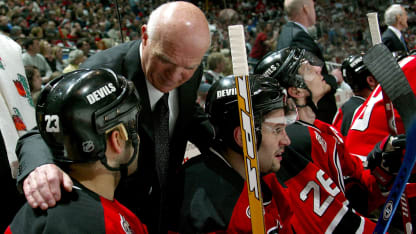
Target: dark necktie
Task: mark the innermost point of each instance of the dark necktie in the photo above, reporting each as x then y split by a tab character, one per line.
404	43
161	128
161	131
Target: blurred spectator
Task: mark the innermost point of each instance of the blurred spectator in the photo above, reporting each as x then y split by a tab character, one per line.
59	63
16	32
264	42
36	32
34	58
4	24
75	58
134	36
75	32
202	94
216	64
84	45
35	81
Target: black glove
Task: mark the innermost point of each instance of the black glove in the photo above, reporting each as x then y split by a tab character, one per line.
385	159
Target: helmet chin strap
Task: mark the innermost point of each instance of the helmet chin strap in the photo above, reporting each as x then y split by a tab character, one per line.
123	168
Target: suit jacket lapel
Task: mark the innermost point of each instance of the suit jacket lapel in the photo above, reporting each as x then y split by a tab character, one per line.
133	65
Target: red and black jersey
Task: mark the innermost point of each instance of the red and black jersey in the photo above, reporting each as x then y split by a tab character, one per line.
215	199
81	211
313	169
343	117
369	125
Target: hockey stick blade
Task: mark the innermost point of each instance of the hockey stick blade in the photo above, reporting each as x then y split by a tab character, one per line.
388	73
400	182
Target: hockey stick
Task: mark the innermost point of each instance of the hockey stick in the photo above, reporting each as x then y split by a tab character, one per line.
240	70
391	121
388	106
385	69
119	22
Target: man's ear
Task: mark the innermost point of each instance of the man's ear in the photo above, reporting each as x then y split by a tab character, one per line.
305	9
237	136
372	82
145	36
115	141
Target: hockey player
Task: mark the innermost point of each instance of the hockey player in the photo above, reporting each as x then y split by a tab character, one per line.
316	161
369	124
92	114
215	197
356	74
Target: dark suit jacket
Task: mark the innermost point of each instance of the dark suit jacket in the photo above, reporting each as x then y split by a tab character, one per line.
140	192
292	35
392	41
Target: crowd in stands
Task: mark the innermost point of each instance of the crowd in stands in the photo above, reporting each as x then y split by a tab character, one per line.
61	26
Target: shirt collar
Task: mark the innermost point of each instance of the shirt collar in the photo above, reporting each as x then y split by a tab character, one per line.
396	31
303	27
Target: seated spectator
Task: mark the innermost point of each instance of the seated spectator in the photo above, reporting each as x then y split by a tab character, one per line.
34	79
97	169
263	43
45	50
36	32
32	57
216	64
84	45
202	94
4	24
16	32
76	57
59	62
134	36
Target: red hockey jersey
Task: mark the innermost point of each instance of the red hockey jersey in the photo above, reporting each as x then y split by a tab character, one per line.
313	169
81	211
215	199
370	123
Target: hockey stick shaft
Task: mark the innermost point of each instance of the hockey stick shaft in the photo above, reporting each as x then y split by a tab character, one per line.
388	105
119	22
406	216
240	70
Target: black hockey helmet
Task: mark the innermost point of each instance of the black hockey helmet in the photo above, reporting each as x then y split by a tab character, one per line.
355	72
80	107
222	106
283	66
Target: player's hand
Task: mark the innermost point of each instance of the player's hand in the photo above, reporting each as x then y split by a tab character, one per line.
385	159
387	154
392	153
42	187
